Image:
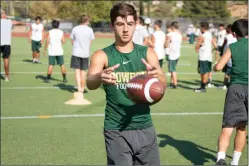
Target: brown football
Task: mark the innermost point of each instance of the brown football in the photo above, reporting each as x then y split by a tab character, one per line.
145	89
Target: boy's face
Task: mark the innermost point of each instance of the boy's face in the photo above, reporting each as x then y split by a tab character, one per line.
37	21
221	28
124	28
203	29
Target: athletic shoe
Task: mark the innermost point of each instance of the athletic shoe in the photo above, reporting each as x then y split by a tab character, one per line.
174	87
200	90
209	85
221	162
47	80
223	87
65	80
7	79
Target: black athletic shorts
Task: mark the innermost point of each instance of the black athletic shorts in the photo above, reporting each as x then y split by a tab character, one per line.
236	105
79	63
5	51
132	147
220	49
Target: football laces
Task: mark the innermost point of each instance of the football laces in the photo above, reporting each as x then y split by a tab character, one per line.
134	86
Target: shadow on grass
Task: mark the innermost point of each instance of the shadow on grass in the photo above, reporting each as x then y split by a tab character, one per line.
69	88
198	155
27	60
42	77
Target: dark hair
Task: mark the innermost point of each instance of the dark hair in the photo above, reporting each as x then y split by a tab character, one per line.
204	25
84	18
37	18
221	25
159	23
141	20
55	23
240	27
229	28
175	24
123	10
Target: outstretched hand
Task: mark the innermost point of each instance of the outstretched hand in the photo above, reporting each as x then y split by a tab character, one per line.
107	77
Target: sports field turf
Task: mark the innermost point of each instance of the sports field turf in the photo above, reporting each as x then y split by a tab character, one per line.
187	128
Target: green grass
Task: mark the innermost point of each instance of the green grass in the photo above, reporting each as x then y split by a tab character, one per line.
182	139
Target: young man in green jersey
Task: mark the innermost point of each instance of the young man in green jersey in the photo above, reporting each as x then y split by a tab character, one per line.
236	103
130	137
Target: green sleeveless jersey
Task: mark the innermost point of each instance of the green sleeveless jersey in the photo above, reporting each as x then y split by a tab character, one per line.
239	71
121	113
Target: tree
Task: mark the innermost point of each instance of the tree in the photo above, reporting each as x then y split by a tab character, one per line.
208	10
164	10
45	9
97	10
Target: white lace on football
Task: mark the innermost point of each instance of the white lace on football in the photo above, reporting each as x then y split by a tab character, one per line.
134	86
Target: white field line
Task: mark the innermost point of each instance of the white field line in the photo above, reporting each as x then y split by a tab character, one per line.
102	115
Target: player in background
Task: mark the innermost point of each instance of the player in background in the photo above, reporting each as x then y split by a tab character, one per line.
36	36
173	42
229	39
81	36
236	103
141	35
166	45
6	27
214	33
55	39
130	137
220	40
158	40
148	25
204	49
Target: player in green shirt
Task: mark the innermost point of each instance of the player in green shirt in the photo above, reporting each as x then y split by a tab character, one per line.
130	137
236	104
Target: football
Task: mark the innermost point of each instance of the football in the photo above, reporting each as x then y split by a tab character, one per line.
145	89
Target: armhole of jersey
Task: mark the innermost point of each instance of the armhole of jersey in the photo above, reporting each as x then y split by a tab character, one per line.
105	50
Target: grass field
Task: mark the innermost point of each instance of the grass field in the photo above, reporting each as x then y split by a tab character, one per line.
187	128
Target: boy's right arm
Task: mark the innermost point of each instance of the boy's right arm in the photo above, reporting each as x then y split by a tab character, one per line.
96	74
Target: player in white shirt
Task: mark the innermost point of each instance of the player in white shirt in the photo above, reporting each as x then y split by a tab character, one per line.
173	42
141	35
204	49
81	36
220	40
6	26
55	39
229	39
36	35
166	45
158	40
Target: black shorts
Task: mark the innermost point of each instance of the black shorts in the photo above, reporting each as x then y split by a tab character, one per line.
220	49
227	70
79	63
236	106
132	147
5	51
